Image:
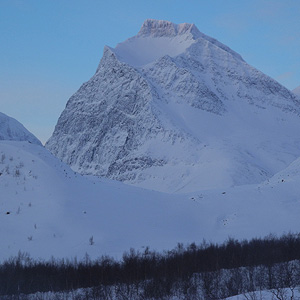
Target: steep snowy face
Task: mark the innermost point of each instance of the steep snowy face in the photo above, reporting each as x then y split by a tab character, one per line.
174	110
296	91
12	130
111	115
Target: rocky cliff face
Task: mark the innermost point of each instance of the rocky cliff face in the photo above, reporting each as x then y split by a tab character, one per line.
175	110
12	130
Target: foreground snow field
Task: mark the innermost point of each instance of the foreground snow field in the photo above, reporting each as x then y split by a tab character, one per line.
282	294
48	210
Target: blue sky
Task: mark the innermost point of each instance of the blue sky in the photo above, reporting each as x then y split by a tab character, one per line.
48	48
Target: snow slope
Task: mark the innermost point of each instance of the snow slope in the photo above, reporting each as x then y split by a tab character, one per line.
174	110
11	129
46	209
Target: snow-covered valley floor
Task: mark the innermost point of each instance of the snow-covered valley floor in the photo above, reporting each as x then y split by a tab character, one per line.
48	210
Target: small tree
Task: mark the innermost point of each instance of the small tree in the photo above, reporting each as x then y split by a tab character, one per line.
91	240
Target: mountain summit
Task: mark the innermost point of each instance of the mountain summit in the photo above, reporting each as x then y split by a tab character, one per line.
160	28
159	38
174	110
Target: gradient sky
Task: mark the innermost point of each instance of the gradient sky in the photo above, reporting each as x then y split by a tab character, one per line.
48	48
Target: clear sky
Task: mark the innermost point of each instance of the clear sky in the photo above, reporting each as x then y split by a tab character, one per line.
48	48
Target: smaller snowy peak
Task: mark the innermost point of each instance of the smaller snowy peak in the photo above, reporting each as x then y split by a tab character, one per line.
161	28
296	91
12	130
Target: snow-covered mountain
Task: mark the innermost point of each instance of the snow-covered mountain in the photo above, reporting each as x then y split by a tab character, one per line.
11	129
48	210
174	110
297	91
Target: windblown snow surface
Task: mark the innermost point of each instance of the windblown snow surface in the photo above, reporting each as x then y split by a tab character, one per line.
48	210
174	110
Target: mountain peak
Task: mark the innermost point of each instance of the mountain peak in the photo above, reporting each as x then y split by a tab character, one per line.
158	38
168	111
161	28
